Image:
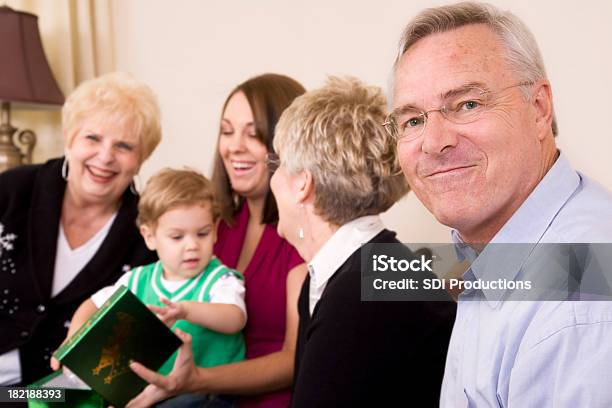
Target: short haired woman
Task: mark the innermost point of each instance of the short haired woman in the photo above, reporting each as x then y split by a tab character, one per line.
338	171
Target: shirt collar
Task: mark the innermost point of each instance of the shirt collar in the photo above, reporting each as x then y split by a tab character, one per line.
526	226
342	244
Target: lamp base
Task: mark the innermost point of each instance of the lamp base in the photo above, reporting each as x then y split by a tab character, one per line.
10	154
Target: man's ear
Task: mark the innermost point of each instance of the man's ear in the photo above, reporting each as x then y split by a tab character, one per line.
304	186
543	104
148	234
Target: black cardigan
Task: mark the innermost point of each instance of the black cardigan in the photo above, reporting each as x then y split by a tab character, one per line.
353	353
30	207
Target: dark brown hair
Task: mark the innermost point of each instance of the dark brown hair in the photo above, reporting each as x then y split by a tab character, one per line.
268	96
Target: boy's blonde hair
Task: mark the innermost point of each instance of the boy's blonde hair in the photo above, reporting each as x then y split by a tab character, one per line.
172	188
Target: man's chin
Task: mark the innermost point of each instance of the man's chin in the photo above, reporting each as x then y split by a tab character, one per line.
452	216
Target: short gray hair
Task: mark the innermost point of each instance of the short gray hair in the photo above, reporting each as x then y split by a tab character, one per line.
336	133
523	55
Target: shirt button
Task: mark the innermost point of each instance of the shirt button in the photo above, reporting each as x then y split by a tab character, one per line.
24	334
41	308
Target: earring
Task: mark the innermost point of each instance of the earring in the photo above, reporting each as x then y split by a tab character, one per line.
301	230
65	169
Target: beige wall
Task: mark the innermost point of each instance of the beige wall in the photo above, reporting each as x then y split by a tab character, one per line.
192	52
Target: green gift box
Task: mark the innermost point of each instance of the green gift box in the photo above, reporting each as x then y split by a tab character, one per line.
76	395
122	330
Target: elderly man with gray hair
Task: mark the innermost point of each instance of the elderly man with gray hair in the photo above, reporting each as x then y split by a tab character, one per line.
475	128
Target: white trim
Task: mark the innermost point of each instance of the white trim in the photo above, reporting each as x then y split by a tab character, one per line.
135	277
156	289
338	248
207	282
182	293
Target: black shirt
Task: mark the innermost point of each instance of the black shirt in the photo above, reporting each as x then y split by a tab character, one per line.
30	208
352	353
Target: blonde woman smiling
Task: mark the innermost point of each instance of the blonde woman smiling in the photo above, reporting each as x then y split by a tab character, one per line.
72	220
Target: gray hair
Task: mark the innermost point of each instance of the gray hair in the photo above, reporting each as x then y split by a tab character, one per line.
523	55
336	133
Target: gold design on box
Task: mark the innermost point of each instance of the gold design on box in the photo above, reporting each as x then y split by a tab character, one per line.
111	352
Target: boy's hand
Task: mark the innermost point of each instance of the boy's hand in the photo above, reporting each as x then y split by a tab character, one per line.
55	364
171	313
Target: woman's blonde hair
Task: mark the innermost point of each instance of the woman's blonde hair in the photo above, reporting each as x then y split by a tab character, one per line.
116	98
171	188
336	133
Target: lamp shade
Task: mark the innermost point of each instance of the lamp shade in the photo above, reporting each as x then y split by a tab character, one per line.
25	76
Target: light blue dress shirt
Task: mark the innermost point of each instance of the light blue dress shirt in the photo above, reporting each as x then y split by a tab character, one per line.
535	353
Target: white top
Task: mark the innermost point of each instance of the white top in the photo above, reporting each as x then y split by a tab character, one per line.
68	263
10	368
346	240
227	289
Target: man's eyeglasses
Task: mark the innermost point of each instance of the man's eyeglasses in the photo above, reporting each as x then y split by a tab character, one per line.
463	106
272	162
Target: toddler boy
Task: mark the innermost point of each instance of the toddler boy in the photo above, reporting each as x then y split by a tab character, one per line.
188	288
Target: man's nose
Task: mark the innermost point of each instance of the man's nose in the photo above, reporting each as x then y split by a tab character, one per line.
438	134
